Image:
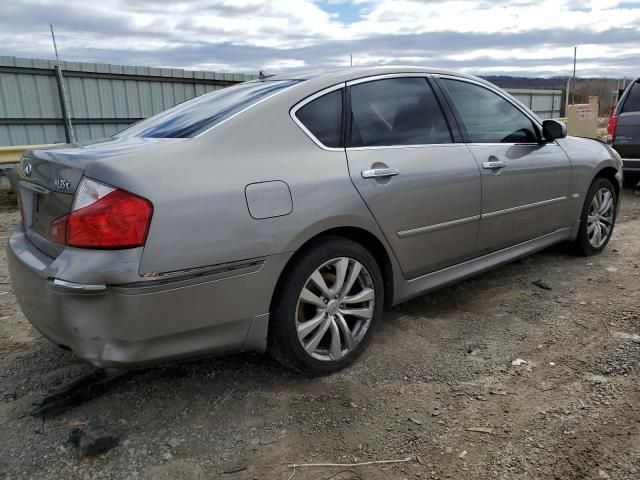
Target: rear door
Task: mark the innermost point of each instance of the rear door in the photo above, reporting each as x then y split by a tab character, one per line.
627	135
525	183
422	188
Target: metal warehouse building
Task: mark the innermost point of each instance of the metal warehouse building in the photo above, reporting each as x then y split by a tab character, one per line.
104	99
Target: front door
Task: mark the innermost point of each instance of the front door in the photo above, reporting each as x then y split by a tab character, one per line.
423	190
525	182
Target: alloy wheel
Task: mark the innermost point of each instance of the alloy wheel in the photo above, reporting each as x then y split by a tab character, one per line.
335	308
600	218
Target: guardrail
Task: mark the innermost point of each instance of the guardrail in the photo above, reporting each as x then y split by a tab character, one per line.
13	154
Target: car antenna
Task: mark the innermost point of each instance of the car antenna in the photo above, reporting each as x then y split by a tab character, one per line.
262	75
62	90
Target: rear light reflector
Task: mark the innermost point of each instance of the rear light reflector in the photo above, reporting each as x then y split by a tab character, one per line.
611	128
104	217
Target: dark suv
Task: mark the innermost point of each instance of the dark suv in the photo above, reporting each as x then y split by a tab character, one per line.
624	132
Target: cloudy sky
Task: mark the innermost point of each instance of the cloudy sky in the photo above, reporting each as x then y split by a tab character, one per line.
513	37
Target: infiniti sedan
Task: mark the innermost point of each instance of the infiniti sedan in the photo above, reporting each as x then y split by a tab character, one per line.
284	214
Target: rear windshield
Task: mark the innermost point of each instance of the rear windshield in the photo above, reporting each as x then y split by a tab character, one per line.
201	113
632	102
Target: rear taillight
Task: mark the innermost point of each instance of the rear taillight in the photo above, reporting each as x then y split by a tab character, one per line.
103	217
611	128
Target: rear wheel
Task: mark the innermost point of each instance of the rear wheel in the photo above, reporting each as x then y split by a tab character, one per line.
326	308
598	218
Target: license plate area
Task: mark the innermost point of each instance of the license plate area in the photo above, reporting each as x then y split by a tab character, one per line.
28	201
40	207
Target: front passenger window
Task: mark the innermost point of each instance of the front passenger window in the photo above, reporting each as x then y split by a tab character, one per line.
487	117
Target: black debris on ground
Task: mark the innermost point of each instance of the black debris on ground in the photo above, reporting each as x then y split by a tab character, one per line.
92	440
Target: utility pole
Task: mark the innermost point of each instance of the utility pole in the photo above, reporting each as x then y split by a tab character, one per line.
573	82
566	98
351	59
62	92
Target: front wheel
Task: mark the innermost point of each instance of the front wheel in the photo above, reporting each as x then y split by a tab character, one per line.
597	219
326	307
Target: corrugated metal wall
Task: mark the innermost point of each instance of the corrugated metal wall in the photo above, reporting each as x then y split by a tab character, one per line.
545	103
106	98
103	99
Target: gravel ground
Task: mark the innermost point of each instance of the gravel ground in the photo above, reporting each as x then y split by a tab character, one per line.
440	367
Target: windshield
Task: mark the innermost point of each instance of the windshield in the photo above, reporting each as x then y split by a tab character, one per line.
194	116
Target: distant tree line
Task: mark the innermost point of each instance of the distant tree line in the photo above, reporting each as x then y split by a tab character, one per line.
606	89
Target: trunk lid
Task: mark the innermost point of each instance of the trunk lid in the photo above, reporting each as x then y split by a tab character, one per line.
48	179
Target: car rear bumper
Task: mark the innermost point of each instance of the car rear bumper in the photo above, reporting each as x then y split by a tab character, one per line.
146	322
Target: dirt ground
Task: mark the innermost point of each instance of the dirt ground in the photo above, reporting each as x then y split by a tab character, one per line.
440	366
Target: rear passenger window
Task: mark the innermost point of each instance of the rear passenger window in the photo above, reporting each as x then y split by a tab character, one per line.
323	118
396	111
488	117
632	102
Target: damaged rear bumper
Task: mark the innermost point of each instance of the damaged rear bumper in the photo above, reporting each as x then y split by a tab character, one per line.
145	322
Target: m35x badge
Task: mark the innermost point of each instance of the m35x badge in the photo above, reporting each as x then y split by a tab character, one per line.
62	184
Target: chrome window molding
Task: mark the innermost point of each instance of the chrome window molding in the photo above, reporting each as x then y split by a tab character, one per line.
374	78
500	93
386	147
309	99
515	144
262	100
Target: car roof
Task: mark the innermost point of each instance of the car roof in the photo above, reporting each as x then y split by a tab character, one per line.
345	74
313	81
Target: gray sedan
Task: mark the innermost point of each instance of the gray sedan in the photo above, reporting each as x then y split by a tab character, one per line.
285	213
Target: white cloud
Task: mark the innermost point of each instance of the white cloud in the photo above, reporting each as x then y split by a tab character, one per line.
518	36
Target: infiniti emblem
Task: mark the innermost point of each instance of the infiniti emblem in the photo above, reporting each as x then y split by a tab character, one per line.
27	168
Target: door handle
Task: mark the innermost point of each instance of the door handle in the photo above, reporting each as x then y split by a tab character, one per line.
380	172
494	165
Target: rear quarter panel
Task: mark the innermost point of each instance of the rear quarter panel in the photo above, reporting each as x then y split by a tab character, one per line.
197	188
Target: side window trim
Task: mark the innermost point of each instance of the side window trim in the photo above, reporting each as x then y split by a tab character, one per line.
466	138
311	98
346	117
454	131
463	130
455	128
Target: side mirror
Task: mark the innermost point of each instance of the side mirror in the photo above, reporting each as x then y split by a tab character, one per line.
552	129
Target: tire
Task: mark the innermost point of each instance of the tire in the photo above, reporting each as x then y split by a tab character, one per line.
585	243
324	260
631	180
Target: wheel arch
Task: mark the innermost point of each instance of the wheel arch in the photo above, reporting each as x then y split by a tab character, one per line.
610	173
359	235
